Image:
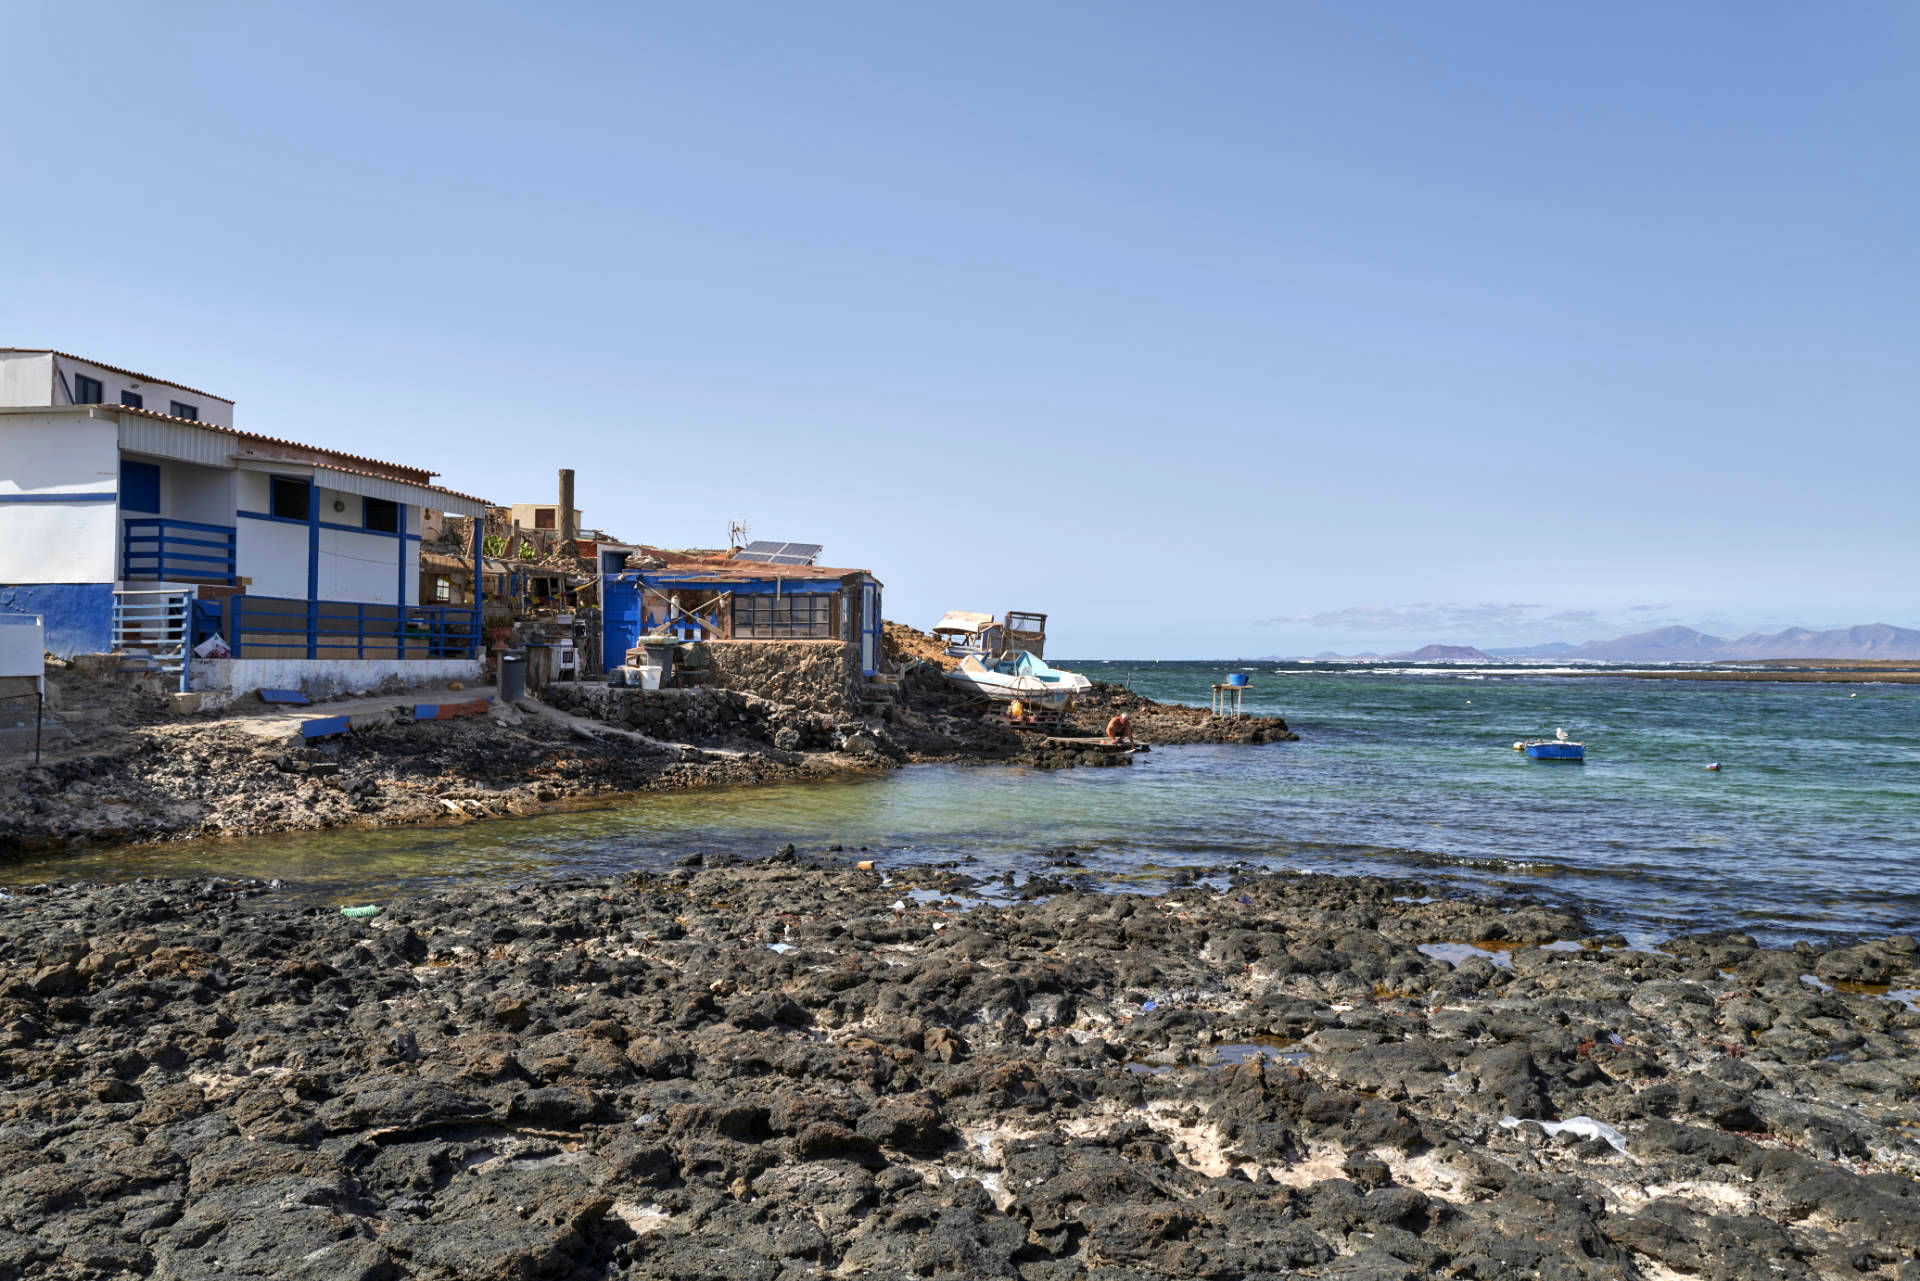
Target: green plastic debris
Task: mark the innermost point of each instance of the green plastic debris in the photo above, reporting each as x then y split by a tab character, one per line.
360	913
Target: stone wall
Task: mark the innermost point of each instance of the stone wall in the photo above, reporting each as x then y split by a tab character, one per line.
698	715
819	676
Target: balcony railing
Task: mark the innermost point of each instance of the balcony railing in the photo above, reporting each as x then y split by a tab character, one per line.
280	627
178	550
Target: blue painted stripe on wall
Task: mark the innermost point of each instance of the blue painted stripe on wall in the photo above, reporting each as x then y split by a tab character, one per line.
107	497
325	524
359	529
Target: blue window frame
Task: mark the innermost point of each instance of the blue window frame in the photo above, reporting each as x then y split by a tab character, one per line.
87	391
288	497
133	400
139	486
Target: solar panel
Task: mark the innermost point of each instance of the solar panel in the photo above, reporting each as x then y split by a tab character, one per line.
769	552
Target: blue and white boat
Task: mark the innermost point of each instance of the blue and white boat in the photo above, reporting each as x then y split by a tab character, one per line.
1018	675
1557	748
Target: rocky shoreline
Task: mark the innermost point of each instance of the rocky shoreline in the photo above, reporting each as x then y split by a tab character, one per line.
156	778
795	1070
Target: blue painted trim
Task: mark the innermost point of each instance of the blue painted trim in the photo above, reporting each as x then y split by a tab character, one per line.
400	575
313	568
345	529
284	520
359	529
108	497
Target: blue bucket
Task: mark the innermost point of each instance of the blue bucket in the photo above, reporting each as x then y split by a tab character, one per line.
1237	678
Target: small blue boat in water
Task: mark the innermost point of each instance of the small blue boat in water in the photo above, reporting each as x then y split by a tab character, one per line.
1559	748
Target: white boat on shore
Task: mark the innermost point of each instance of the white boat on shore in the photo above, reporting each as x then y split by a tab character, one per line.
1001	659
1018	676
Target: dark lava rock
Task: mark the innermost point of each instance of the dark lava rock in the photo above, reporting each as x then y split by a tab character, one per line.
622	1080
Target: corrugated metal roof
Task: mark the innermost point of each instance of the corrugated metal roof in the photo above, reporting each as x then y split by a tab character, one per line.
408	493
130	373
175	438
417	475
181	438
960	620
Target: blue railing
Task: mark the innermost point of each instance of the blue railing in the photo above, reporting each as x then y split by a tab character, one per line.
281	627
178	550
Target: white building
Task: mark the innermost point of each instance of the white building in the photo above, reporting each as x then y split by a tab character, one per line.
298	554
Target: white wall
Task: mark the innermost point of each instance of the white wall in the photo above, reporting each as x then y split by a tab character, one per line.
58	542
191	492
26	378
359	567
331	677
354	565
157	396
270	553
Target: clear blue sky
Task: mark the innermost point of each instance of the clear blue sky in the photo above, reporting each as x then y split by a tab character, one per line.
1212	329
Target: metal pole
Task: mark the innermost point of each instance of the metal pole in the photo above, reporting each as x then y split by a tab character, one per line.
39	707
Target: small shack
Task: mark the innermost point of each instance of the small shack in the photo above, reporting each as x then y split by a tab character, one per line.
714	596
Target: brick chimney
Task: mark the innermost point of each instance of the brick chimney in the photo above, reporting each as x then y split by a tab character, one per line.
569	532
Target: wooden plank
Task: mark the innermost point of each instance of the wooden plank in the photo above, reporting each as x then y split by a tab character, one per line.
451	711
324	726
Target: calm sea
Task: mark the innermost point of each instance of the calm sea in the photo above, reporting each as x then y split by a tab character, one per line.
1810	829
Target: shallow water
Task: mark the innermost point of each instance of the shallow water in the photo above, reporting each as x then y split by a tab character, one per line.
1811	829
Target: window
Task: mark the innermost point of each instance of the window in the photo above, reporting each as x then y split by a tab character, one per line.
86	391
132	400
543	518
382	516
139	486
290	497
180	410
783	617
442	589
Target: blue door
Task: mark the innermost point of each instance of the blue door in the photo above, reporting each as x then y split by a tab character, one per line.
620	602
869	629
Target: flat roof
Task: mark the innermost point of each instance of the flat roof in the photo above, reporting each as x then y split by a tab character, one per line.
131	373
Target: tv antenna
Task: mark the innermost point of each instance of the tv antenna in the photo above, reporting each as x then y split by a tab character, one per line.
736	535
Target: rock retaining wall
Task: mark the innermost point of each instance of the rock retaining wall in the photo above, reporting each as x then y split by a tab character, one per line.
697	715
820	676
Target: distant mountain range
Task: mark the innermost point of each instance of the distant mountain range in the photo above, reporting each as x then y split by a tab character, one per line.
1685	645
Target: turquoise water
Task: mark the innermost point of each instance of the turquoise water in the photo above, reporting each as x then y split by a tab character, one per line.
1811	829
